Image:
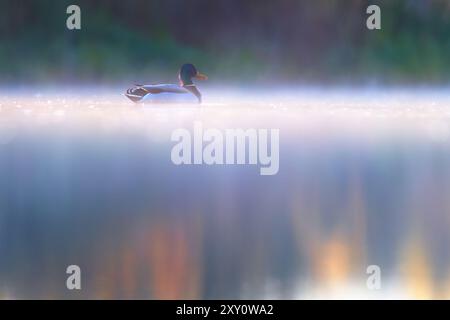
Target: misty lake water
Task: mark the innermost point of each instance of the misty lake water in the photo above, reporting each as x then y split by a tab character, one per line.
364	179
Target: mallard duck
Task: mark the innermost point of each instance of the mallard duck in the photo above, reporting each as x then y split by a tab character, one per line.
185	92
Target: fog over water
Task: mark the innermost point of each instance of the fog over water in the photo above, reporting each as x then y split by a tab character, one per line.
86	178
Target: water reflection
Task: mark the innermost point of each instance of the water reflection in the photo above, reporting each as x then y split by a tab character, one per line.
89	181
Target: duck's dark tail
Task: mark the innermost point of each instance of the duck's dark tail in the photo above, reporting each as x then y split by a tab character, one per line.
136	94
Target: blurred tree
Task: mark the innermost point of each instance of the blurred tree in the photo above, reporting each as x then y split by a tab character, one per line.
262	40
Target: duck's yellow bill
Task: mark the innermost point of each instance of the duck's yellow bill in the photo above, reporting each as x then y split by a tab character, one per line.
201	76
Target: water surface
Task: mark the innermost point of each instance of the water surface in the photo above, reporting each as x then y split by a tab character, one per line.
86	178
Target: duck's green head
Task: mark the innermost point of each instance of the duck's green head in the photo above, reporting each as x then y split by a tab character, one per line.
187	72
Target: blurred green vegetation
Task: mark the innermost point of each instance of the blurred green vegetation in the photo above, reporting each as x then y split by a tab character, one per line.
233	40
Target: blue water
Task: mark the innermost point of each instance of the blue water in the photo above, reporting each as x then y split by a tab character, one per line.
364	179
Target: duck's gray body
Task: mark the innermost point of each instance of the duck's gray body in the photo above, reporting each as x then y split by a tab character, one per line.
161	93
